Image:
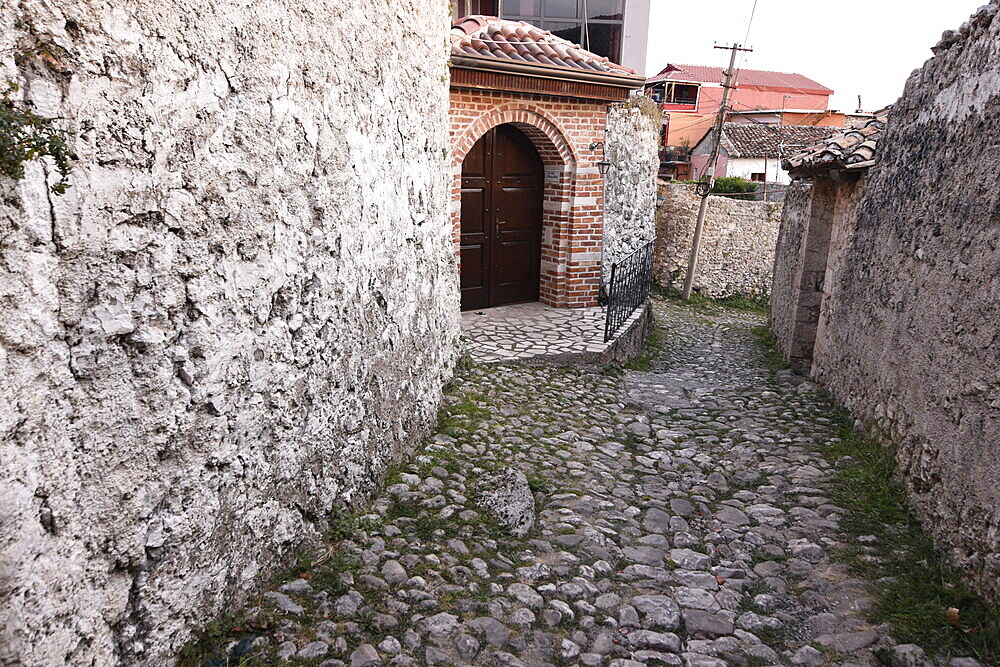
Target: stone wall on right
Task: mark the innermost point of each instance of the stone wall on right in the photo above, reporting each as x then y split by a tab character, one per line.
787	260
908	336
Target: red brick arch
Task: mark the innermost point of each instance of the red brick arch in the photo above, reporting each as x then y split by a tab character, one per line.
549	140
562	130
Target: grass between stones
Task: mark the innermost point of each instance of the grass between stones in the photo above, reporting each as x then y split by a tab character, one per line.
651	350
914	585
769	344
697	302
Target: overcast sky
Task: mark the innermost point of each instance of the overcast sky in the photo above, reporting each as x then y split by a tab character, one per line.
822	40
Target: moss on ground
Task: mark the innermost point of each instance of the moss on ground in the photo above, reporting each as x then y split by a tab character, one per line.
651	350
704	304
913	583
769	344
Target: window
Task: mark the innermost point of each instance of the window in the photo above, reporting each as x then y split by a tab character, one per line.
561	9
564	29
594	24
523	7
486	7
757	177
673	93
606	10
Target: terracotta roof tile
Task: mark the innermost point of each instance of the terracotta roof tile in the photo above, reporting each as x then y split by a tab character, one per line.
746	78
854	149
491	37
752	140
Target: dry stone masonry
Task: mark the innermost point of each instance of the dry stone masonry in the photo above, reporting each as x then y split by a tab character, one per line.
788	258
737	251
908	322
241	312
630	186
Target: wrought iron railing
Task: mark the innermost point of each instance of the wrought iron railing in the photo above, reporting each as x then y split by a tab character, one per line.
628	288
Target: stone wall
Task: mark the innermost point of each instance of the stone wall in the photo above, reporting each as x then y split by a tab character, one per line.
788	260
817	223
240	313
909	331
630	186
737	250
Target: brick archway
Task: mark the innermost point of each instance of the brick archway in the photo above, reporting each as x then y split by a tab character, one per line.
565	280
549	140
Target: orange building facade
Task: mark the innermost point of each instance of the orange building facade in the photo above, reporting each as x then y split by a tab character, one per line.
690	97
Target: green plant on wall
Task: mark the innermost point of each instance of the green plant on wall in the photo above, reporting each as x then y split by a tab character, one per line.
734	185
26	136
647	107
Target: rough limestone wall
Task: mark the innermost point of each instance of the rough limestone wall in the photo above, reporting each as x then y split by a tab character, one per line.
737	248
630	186
788	260
843	224
241	311
914	344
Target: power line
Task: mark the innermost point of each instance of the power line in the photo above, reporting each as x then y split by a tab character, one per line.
705	188
750	22
746	38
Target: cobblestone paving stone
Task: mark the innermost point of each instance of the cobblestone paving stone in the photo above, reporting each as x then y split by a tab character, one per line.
682	519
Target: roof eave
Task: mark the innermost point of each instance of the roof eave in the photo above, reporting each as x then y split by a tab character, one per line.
659	79
626	81
836	170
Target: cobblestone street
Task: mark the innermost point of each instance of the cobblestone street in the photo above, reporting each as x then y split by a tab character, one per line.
682	519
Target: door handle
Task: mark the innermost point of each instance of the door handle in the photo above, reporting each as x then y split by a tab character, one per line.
501	222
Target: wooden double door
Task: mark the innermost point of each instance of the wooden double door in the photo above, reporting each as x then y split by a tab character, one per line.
501	228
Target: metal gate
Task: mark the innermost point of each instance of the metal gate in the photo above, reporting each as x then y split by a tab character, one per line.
628	288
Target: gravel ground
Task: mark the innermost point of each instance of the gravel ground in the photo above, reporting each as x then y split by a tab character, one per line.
681	518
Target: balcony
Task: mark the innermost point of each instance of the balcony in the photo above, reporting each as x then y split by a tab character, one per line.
674	157
679	106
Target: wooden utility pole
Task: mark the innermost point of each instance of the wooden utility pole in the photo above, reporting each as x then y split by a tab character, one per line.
708	182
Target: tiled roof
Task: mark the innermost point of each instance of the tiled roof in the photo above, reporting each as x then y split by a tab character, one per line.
854	149
520	42
752	140
745	78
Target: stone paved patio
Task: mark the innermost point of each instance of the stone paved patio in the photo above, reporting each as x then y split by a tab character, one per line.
683	517
527	330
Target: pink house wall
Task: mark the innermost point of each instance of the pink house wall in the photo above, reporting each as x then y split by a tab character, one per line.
744	99
698	163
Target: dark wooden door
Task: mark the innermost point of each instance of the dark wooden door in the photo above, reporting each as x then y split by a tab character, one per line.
501	235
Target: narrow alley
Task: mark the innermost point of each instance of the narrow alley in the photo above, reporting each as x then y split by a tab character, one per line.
683	518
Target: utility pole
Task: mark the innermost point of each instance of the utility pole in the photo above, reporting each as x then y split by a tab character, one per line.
708	180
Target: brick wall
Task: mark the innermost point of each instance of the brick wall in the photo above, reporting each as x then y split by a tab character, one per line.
562	130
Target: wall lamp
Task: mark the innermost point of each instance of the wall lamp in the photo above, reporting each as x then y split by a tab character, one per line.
603	166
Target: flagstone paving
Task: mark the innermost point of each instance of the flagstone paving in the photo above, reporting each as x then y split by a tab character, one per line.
682	519
528	330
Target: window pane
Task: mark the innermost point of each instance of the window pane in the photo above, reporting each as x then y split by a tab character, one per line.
568	9
570	31
469	7
522	7
605	9
605	39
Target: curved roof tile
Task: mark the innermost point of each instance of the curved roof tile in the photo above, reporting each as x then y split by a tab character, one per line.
518	41
853	149
755	140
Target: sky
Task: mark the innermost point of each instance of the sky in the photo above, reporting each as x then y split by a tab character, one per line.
821	40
